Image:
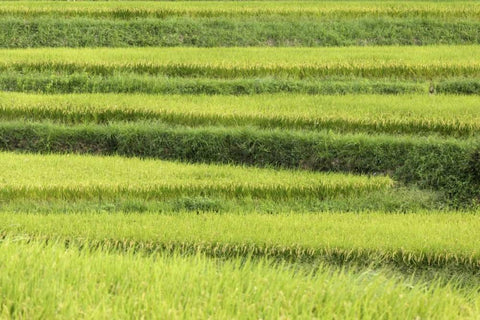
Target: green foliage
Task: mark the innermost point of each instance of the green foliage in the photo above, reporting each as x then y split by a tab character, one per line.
392	200
198	204
459	86
134	83
263	30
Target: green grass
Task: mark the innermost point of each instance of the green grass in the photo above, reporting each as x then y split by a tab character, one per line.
422	239
427	63
52	82
277	31
87	177
457	116
459	86
50	281
393	200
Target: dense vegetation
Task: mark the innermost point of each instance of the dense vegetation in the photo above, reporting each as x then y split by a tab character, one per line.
99	284
252	159
248	23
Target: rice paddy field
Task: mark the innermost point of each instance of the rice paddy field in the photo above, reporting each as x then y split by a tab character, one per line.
302	159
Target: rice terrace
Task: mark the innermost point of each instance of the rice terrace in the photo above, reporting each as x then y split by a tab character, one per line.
252	159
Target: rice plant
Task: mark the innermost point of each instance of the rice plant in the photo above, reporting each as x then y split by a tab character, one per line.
415	240
326	9
77	177
429	62
418	114
72	283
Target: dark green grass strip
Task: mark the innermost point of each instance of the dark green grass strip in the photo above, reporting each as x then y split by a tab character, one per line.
459	86
449	165
218	32
134	83
393	200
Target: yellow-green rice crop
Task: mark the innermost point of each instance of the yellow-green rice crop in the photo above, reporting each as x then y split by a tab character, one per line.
427	62
39	282
417	239
447	115
77	177
323	9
